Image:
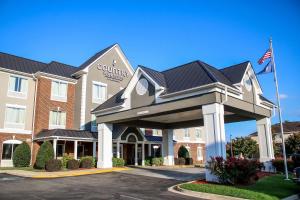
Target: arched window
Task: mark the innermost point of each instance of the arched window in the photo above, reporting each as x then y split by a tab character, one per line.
131	138
9	147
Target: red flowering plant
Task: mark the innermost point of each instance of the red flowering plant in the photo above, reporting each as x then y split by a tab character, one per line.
234	170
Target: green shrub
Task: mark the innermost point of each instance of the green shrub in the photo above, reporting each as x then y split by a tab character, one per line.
279	165
118	162
65	159
22	155
72	164
183	152
157	161
44	154
87	162
148	161
53	165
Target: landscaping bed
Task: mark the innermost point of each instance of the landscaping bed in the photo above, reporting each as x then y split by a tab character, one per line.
267	188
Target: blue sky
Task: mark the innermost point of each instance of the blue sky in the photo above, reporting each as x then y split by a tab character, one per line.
163	34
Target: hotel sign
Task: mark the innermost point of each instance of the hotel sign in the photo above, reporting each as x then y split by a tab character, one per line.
113	73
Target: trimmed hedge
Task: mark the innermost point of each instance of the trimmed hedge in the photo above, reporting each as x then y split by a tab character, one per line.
73	164
148	161
65	160
44	154
87	162
118	162
157	161
53	165
22	155
279	165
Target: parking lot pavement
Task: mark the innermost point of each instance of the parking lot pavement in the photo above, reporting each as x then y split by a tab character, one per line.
180	174
113	185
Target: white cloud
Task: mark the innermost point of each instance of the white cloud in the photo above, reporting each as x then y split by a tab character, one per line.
283	96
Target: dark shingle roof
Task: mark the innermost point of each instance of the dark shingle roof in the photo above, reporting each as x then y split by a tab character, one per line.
187	76
265	99
153	138
67	133
60	69
94	57
20	64
115	100
235	73
118	130
287	127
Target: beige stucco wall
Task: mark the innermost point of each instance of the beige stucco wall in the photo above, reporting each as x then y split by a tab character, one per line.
95	74
5	99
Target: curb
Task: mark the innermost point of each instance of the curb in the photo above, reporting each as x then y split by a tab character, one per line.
202	195
51	175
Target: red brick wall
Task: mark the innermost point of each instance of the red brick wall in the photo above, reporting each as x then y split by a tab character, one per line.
44	105
192	151
9	136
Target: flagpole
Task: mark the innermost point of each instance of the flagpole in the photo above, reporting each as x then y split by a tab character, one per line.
279	111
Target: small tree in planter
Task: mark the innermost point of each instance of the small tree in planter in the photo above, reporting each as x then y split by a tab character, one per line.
22	155
44	154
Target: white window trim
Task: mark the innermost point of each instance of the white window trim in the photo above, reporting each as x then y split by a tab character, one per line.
198	156
55	126
15	94
95	100
16	126
200	139
184	137
59	98
93	128
10	142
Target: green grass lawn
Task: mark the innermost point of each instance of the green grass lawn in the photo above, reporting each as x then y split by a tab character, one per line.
267	188
22	168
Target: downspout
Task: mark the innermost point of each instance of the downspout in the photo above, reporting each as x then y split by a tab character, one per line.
33	117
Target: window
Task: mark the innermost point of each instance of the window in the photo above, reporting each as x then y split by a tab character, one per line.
57	119
199	153
199	134
99	92
17	86
93	123
59	91
9	147
60	150
186	134
15	117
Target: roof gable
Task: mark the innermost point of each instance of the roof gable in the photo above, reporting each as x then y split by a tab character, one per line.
235	73
59	69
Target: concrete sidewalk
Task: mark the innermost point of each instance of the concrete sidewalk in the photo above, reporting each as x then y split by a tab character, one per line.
59	174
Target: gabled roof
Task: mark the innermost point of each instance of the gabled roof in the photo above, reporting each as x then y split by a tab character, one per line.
94	57
235	73
184	77
60	69
20	64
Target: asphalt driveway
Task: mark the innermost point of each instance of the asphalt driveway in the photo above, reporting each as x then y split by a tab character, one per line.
114	185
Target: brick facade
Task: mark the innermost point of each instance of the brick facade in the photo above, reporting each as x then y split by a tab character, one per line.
10	136
44	105
192	150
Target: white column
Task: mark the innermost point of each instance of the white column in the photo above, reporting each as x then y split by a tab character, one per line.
213	117
118	149
265	142
104	145
143	154
75	149
94	149
168	147
149	150
136	154
54	147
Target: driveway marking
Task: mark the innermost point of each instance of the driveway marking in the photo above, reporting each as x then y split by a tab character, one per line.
121	195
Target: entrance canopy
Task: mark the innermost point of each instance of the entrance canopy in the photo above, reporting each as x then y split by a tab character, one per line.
174	98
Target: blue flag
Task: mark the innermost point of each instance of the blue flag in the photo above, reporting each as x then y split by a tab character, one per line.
268	69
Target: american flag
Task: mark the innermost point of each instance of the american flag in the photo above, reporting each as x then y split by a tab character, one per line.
265	57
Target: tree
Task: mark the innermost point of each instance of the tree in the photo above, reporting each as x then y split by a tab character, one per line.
245	145
293	143
183	152
45	154
22	155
